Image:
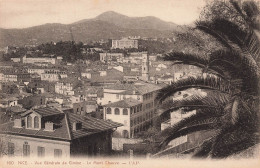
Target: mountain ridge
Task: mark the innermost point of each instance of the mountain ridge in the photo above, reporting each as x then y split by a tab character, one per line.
108	25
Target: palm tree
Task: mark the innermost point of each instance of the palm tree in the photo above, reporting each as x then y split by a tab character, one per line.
233	110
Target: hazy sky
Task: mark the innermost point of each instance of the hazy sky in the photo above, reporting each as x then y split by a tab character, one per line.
26	13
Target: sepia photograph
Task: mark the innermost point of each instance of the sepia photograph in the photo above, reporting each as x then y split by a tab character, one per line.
129	83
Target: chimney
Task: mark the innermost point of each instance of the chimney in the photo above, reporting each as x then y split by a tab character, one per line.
49	126
18	123
77	125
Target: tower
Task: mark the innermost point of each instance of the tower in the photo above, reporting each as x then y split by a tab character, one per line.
145	66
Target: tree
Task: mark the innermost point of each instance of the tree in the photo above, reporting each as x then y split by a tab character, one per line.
232	78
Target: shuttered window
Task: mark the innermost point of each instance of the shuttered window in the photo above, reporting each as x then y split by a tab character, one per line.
10	149
41	151
26	150
57	152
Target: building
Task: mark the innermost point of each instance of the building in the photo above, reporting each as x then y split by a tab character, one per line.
167	79
129	113
54	133
53	76
144	93
65	88
186	143
125	43
35	60
16	59
90	74
109	57
8	77
8	101
145	67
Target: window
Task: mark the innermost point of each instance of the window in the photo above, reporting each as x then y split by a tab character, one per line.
125	112
10	149
81	108
41	151
57	152
26	150
117	112
117	96
36	122
125	134
29	122
109	110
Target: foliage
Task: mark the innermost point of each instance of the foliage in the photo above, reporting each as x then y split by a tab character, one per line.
232	107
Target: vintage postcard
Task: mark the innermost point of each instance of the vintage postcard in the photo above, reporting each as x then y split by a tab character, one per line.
129	83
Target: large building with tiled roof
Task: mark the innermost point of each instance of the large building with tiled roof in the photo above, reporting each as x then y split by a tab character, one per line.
47	131
118	98
127	112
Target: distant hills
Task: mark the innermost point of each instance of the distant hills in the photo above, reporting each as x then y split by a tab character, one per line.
105	26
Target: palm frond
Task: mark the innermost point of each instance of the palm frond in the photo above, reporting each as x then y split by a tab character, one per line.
237	65
234	37
250	9
238	8
208	83
204	149
217	101
208	28
187	130
186	58
233	139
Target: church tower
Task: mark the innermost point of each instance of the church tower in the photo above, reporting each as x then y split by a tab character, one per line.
145	66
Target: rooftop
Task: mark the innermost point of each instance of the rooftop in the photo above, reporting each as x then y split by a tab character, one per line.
63	124
129	102
137	88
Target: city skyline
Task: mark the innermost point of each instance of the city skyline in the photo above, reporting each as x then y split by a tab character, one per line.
32	13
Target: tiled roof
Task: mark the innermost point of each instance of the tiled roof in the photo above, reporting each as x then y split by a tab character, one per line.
17	109
137	88
47	111
59	133
129	102
64	126
90	125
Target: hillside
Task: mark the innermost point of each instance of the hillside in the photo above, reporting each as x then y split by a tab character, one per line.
123	21
105	26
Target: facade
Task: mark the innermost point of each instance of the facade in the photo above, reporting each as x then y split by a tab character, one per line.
53	76
144	93
8	102
9	77
125	43
64	88
90	74
109	57
26	60
145	67
127	112
54	133
15	77
16	59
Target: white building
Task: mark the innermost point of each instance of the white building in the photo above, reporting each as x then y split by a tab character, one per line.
125	43
53	76
34	60
127	112
108	57
144	93
64	88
